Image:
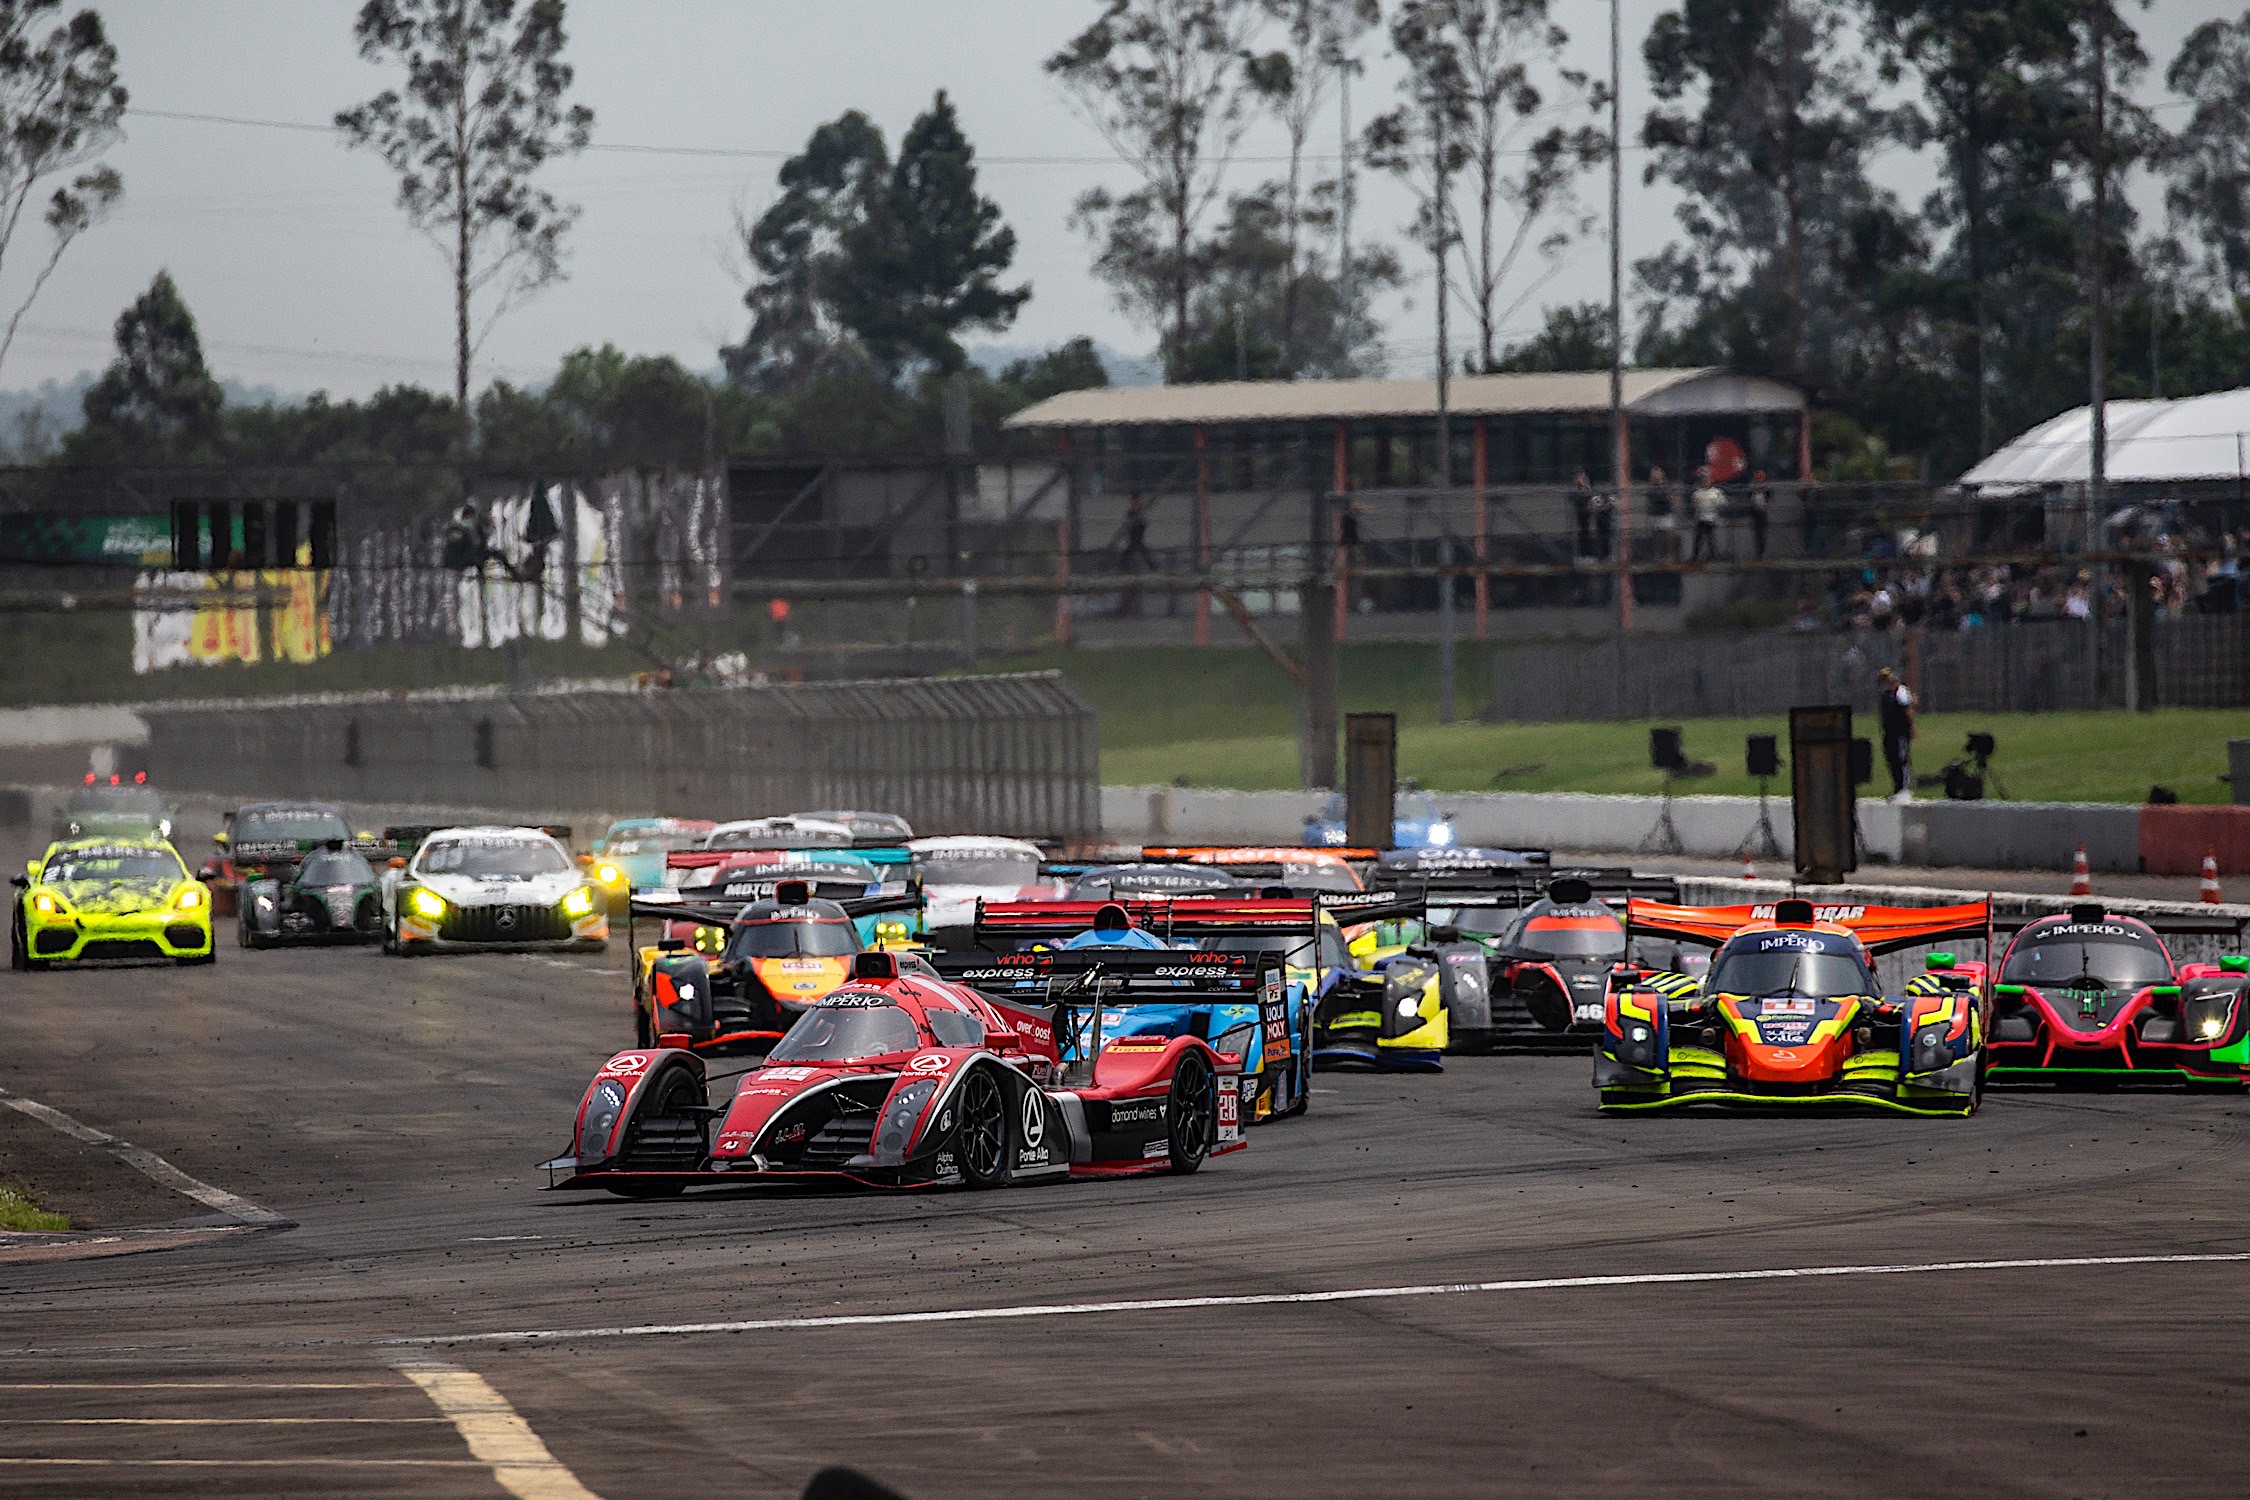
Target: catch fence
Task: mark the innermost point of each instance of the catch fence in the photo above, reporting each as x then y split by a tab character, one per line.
1006	754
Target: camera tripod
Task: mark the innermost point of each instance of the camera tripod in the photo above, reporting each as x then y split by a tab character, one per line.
1762	842
1664	838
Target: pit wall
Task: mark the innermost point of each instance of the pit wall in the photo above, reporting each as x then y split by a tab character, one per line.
1971	835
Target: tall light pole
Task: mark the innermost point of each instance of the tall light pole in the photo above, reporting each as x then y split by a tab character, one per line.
1619	448
1440	107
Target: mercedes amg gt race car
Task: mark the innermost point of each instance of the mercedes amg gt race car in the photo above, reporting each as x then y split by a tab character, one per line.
330	896
903	1079
2093	997
1791	1013
109	898
491	888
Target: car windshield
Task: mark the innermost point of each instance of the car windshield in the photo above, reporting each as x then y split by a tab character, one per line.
1484	921
2120	961
520	858
955	1028
983	868
115	799
1573	937
336	868
1795	971
112	864
844	1033
777	836
795	938
868	825
275	824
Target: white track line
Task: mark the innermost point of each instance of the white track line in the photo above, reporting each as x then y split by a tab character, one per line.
245	1463
147	1163
1271	1299
495	1434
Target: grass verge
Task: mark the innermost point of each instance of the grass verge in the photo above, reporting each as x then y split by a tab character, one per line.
1225	718
19	1212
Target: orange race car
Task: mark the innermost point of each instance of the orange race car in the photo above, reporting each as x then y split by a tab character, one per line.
1791	1012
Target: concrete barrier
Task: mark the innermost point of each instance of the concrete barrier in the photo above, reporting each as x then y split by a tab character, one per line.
2019	835
2174	839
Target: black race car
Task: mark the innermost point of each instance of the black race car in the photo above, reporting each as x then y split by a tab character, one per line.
330	896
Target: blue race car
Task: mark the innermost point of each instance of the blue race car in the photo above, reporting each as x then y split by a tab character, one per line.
1416	822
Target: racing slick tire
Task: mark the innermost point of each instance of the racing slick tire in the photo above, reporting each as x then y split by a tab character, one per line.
1301	1072
1191	1114
19	947
987	1138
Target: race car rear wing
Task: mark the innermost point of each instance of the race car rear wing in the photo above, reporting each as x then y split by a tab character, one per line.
1514	888
722	912
1256	856
1170	917
2184	924
1119	975
1882	929
289	851
1417	864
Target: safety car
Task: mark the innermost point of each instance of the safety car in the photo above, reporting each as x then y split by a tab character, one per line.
487	888
901	1078
109	898
2091	996
118	807
1791	1013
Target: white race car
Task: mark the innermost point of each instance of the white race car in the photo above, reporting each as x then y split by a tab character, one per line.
469	888
957	872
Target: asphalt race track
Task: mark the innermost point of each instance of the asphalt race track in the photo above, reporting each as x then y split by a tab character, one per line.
393	1110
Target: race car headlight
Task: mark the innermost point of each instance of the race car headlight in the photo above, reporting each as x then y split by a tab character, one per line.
608	875
710	939
425	902
579	902
600	1119
189	898
1931	1051
45	904
897	1128
2212	1026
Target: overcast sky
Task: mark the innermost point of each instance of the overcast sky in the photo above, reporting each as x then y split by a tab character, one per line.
304	276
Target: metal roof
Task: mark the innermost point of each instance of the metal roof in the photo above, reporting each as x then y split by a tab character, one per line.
2150	442
1648	393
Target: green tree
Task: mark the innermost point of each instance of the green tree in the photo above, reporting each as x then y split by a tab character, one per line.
797	255
482	110
1575	337
60	107
2209	194
1765	122
925	261
156	402
1250	319
1166	83
1069	366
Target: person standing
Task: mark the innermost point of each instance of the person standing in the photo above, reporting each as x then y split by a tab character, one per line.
1761	513
1661	521
1709	503
1582	512
1894	704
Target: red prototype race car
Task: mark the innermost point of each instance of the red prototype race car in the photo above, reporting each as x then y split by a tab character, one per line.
2092	996
903	1079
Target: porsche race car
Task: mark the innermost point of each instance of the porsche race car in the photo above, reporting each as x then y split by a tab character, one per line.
1791	1013
109	898
471	889
2090	996
900	1078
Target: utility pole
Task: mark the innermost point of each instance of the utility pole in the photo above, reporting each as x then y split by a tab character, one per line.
1620	455
1344	205
1444	418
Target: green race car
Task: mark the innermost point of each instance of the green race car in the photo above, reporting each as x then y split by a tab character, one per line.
109	898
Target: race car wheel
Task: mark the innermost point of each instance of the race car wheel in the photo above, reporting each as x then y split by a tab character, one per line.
19	947
986	1143
1191	1115
644	1035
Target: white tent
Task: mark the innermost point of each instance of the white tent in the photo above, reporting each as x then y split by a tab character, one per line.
2150	442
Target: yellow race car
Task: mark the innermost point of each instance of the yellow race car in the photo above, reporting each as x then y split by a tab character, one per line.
106	898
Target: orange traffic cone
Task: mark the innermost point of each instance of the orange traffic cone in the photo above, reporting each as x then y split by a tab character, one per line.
2081	875
2209	894
1750	868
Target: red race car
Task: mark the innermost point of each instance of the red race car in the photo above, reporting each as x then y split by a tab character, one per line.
901	1078
2092	996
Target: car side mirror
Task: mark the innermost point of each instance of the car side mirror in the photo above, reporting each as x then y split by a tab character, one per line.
1445	934
2234	963
20	882
221	840
396	862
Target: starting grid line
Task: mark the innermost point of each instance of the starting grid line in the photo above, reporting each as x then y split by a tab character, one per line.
1278	1299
